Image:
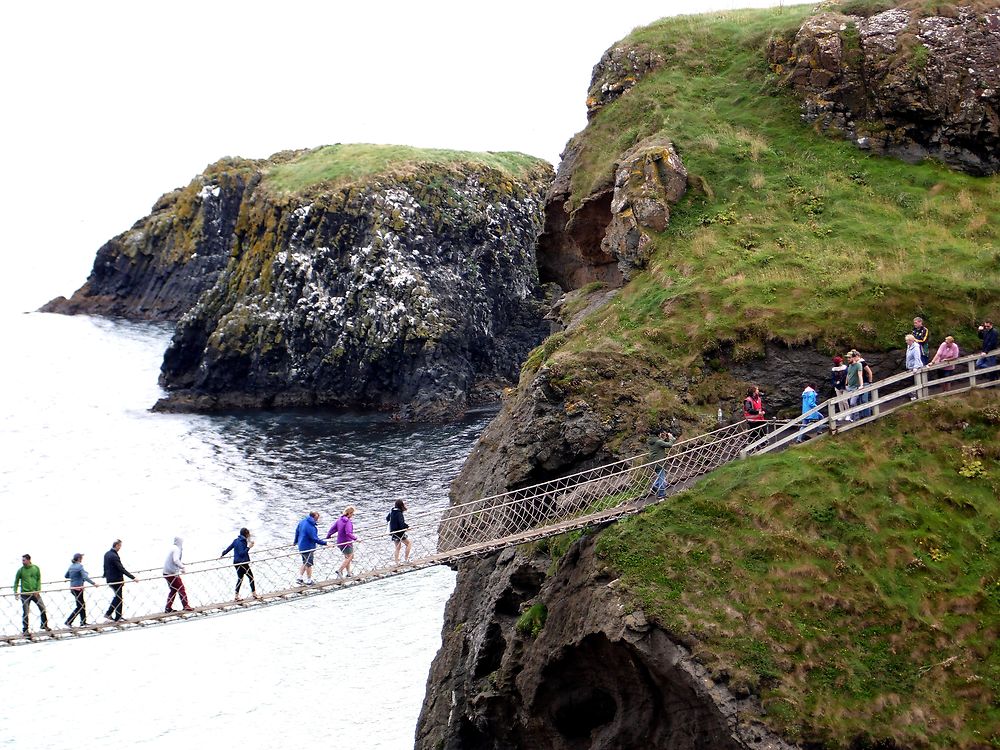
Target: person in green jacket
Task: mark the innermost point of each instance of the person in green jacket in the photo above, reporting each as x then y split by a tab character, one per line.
29	580
658	447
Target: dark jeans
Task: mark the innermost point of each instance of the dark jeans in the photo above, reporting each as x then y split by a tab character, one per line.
243	569
117	600
26	600
81	607
176	586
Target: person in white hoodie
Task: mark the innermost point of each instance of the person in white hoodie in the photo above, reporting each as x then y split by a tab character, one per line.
172	569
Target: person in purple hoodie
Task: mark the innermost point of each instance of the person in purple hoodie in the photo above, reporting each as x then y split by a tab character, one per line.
344	529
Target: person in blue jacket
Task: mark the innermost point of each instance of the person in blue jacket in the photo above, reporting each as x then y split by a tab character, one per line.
77	576
307	537
808	404
240	547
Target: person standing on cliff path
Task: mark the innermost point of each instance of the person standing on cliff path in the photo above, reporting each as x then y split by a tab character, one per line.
306	538
344	528
921	334
398	529
28	580
658	445
77	576
240	547
114	575
991	341
173	567
947	352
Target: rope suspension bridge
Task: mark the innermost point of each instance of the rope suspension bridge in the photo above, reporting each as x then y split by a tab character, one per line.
479	527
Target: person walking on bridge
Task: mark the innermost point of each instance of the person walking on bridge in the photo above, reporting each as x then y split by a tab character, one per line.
991	341
658	445
920	335
306	538
77	576
398	529
29	580
114	574
173	567
344	528
240	547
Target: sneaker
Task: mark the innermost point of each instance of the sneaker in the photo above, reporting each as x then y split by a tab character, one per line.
188	609
349	574
256	595
83	622
169	611
69	623
46	627
339	574
299	581
239	598
310	582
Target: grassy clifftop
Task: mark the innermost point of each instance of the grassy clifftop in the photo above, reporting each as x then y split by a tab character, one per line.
785	234
853	584
344	164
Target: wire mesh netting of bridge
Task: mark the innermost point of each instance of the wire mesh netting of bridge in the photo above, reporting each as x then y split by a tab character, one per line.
477	527
480	526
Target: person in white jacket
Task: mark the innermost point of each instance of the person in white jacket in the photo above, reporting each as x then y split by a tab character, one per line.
172	569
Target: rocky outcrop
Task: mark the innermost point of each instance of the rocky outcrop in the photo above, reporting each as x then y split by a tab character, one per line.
159	268
619	69
607	237
413	291
594	674
901	84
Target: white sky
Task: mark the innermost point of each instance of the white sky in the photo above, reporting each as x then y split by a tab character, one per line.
108	105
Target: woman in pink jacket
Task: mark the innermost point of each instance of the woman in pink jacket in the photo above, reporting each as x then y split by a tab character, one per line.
344	528
947	352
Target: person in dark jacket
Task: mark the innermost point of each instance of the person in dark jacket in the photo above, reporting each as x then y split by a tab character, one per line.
114	574
658	445
240	547
398	529
306	538
991	341
77	576
921	334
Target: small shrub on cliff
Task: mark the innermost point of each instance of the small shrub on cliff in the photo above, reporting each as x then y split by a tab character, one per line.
533	620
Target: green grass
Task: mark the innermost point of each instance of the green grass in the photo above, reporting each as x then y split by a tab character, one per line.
345	164
805	240
853	585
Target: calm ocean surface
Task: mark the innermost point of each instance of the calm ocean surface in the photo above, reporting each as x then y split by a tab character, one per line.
84	462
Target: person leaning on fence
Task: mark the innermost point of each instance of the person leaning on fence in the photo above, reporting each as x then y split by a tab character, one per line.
29	580
306	539
658	445
753	405
114	575
991	341
240	547
398	529
914	362
947	352
343	527
173	567
77	576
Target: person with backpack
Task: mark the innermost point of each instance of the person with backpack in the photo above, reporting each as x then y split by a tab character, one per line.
240	547
658	445
77	577
398	529
343	527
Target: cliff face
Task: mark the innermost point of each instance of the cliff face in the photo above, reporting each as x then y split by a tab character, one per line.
595	674
159	268
314	278
901	84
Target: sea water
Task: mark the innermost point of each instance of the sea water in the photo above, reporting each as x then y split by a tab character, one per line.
84	462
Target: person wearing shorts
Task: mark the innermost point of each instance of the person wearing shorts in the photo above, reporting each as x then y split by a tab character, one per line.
344	529
306	538
398	529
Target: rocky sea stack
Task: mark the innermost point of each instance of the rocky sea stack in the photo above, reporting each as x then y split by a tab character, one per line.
349	276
